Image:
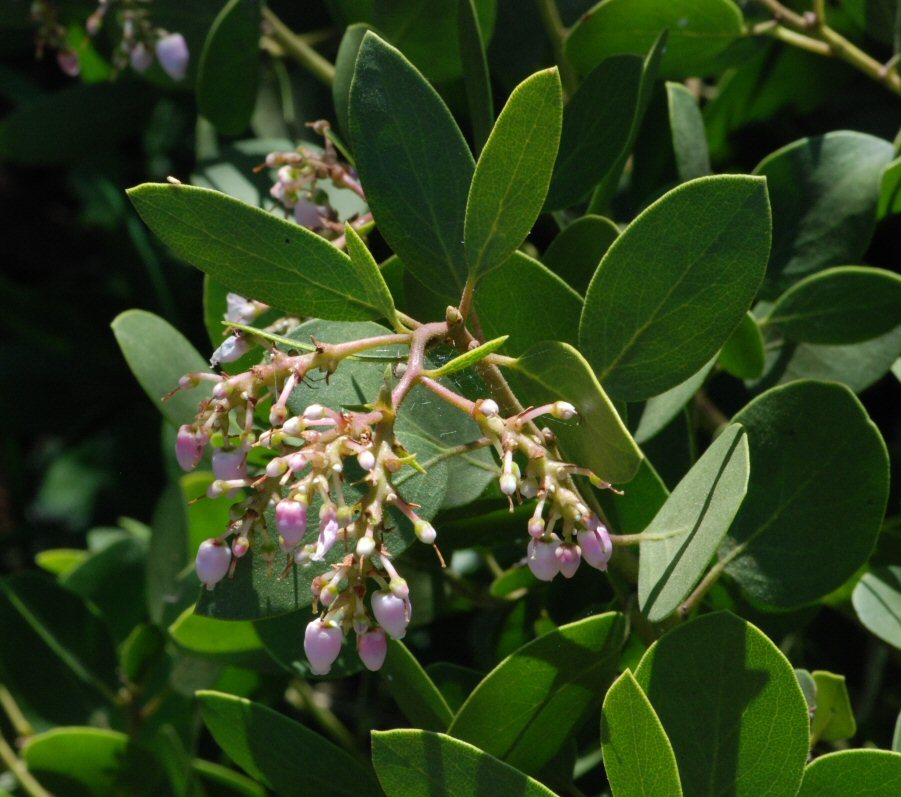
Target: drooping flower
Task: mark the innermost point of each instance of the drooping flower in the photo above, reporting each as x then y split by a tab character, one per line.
173	55
213	560
322	643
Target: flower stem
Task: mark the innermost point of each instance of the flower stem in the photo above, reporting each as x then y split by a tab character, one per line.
298	49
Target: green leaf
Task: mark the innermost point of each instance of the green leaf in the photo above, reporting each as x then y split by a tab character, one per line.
345	62
513	173
630	513
699	32
159	355
413	691
660	410
692	522
731	706
834	717
658	307
59	641
59	561
527	706
227	641
92	762
254	253
414	164
575	253
234	782
524	300
454	682
284	643
597	127
638	757
425	764
427	32
875	773
816	497
877	602
168	556
369	275
476	77
552	371
279	752
469	359
229	69
689	137
847	304
824	192
890	191
141	651
743	354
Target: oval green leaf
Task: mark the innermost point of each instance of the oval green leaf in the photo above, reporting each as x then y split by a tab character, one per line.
687	128
824	192
345	62
675	284
875	773
279	752
638	757
817	493
254	253
513	173
552	371
692	523
743	355
877	601
526	708
699	32
833	719
848	304
425	764
660	410
415	165
476	76
229	68
413	690
731	706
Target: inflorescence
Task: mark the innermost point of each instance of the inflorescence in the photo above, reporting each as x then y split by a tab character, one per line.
300	462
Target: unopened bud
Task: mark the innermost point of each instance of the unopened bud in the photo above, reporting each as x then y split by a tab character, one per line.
508	483
277	415
189	446
489	408
291	520
322	644
172	52
230	464
240	546
365	547
536	527
276	467
596	545
425	531
314	412
213	560
141	58
293	426
366	459
563	410
391	613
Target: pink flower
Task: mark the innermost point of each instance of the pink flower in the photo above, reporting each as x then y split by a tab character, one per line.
322	644
213	560
372	647
392	613
172	52
542	557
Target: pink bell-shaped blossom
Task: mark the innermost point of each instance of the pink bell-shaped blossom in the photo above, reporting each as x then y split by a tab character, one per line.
322	643
542	557
568	558
213	560
230	464
392	613
291	520
189	446
372	647
141	58
595	544
172	52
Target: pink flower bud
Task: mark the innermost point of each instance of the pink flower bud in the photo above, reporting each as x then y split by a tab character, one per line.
536	527
391	613
234	347
306	214
141	58
230	464
568	558
189	446
489	408
372	647
328	536
542	558
172	52
240	546
322	644
291	520
213	560
276	467
69	62
595	544
314	412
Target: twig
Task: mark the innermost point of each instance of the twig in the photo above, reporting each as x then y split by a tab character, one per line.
297	48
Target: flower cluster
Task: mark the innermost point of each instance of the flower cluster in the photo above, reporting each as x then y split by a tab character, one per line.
287	476
139	45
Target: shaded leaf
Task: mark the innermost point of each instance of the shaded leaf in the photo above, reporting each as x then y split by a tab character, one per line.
877	602
659	410
576	251
369	275
743	354
689	137
345	62
834	717
413	690
476	77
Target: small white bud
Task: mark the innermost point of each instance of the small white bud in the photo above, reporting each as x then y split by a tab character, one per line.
365	547
366	459
314	412
489	408
508	483
563	410
425	531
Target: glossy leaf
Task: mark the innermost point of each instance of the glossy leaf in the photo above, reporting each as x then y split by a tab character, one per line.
67	645
597	126
731	706
658	306
412	763
345	62
689	137
229	69
368	274
817	493
692	523
513	173
877	602
279	752
848	304
834	717
229	641
824	192
524	300
159	355
413	691
660	410
576	251
453	681
254	253
527	706
638	757
699	32
92	762
743	354
876	773
414	164
552	371
476	76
